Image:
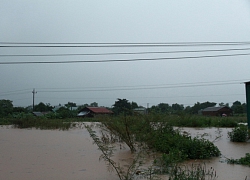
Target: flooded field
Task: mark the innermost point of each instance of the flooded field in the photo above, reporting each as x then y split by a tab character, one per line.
52	154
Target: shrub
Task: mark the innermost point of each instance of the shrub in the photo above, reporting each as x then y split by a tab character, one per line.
4	121
167	139
238	134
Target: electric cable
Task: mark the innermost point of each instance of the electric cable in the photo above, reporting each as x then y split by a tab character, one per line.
124	60
124	53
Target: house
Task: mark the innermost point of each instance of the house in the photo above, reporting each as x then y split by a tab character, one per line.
217	111
93	111
38	114
140	110
57	107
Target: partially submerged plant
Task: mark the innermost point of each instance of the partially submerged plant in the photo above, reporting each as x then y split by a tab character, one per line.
145	134
41	123
239	134
243	161
193	172
125	172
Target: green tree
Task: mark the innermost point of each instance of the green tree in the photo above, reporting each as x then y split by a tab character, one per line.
187	109
122	106
134	105
70	104
162	108
223	104
43	107
238	108
64	112
19	110
177	107
82	106
198	106
6	107
93	104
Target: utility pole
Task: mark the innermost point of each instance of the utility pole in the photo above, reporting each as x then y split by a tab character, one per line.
147	108
247	86
34	92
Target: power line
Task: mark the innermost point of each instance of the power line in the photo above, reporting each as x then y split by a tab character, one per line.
124	53
23	91
235	81
139	88
125	60
148	97
117	45
150	85
128	43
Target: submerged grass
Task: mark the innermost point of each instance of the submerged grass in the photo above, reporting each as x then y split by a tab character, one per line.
41	123
195	172
204	121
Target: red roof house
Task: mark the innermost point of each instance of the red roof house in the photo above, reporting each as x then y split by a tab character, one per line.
93	111
217	111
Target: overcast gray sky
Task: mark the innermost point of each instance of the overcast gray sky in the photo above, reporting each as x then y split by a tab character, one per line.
172	79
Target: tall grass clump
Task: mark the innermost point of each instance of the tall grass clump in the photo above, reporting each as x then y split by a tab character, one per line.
195	172
239	134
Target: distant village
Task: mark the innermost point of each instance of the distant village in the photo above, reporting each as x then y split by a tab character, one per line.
70	109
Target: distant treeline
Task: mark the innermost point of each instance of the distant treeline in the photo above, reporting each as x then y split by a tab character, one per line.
121	106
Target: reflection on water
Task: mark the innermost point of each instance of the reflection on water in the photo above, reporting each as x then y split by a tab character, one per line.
53	154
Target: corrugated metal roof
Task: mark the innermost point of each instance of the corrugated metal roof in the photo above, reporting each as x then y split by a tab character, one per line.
100	110
83	113
140	109
213	108
38	113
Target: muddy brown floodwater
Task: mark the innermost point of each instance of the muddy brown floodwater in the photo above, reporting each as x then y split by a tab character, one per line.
53	154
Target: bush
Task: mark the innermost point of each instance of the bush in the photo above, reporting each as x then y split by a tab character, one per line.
167	139
4	121
238	134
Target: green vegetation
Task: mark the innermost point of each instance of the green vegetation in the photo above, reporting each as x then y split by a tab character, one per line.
186	120
239	134
243	161
147	134
144	134
41	123
123	173
28	120
195	172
